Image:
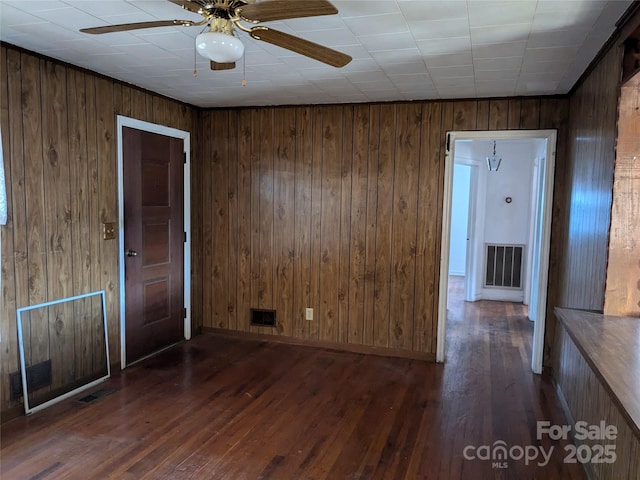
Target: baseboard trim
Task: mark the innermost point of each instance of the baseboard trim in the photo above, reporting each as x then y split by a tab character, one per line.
342	347
11	413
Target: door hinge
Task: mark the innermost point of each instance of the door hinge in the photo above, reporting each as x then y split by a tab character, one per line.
185	237
184	310
184	154
448	142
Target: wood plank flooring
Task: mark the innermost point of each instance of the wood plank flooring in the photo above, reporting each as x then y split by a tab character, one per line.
216	408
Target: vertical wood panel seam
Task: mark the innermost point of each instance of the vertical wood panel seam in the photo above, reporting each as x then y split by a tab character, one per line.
417	219
393	217
370	281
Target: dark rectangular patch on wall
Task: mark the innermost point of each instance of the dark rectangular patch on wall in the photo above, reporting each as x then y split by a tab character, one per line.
261	317
38	376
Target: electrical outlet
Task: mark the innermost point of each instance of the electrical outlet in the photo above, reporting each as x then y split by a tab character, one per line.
309	313
108	231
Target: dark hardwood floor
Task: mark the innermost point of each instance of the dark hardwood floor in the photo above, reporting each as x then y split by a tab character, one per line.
216	408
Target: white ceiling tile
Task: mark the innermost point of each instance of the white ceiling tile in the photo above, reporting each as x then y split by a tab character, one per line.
456	93
546	76
13	16
359	8
107	7
535	85
350	98
417	10
407	68
164	10
551	21
411	79
487	75
320	73
499	13
574	37
355	51
332	38
42	31
376	87
420	95
391	57
311	24
445	28
452	60
499	63
444	46
550	54
364	77
36	6
555	67
504	84
500	33
170	41
498	50
390	41
377	24
459	82
134	17
301	62
262	59
69	18
495	89
361	65
401	42
451	72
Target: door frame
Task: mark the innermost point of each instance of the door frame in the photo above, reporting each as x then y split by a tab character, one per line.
546	197
122	122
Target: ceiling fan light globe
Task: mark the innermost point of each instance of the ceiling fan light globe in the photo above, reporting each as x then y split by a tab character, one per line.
219	47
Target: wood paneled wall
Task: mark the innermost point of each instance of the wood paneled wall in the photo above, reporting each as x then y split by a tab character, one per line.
585	399
337	208
622	296
585	208
59	141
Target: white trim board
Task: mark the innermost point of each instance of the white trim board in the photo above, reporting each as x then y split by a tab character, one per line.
541	256
123	121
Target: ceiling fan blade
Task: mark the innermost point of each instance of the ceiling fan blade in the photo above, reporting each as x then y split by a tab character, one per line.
134	26
222	66
269	11
301	46
190	5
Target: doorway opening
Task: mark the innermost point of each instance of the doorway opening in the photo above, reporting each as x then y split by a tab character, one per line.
156	295
496	224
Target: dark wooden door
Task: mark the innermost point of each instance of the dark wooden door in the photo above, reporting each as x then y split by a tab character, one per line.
153	241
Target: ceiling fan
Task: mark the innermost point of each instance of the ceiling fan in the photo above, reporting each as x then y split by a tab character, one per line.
220	43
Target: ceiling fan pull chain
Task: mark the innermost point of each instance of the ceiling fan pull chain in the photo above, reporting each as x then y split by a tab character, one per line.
244	70
195	63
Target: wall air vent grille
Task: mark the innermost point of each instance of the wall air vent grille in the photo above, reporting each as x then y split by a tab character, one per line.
504	266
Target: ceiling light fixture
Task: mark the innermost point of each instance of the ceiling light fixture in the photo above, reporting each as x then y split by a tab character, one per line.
219	44
493	162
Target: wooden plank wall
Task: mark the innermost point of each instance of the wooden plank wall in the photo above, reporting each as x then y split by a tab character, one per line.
585	399
622	296
337	208
586	204
59	141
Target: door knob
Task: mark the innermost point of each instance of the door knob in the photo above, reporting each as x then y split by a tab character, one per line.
131	253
